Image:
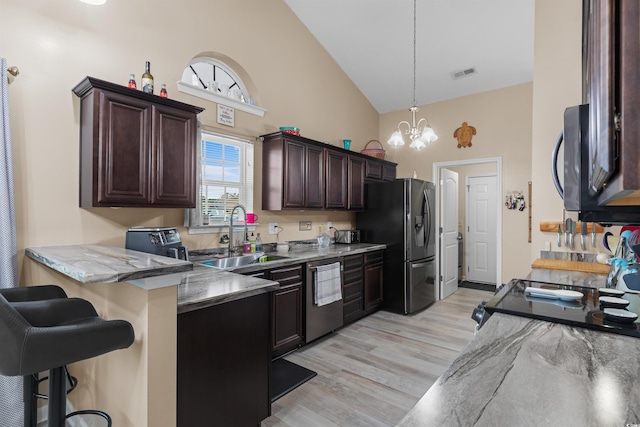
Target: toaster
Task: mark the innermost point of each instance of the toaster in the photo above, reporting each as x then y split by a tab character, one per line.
347	236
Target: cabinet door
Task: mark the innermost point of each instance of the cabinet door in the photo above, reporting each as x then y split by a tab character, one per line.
336	194
286	328
294	173
356	183
174	157
374	170
314	178
373	279
121	147
388	172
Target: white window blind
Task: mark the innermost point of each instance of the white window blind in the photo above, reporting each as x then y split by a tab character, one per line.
226	180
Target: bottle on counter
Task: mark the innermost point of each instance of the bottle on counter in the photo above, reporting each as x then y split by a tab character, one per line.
147	78
163	91
132	81
258	243
252	241
246	246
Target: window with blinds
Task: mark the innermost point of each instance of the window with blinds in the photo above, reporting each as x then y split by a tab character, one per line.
226	180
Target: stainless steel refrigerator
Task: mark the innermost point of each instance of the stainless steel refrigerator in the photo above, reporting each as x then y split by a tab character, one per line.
400	214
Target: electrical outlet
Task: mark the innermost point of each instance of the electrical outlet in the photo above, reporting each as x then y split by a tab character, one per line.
329	224
273	228
305	225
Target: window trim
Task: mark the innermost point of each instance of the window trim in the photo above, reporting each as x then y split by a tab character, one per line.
192	217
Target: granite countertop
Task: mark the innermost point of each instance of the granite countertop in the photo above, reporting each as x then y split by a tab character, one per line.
520	371
198	285
104	264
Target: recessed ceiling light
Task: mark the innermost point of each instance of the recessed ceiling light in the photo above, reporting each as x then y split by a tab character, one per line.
94	2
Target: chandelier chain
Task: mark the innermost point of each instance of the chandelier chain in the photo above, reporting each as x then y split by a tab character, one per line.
414	52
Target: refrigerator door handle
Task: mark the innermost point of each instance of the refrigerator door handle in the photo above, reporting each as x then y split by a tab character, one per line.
419	265
427	213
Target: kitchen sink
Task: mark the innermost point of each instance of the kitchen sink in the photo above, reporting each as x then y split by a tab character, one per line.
240	261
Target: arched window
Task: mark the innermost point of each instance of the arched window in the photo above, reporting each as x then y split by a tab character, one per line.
213	80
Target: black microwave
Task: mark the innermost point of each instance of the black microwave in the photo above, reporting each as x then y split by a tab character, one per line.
576	190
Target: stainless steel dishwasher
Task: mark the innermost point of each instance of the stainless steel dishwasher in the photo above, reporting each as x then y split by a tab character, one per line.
324	319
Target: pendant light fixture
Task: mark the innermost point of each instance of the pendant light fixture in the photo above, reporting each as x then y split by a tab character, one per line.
420	133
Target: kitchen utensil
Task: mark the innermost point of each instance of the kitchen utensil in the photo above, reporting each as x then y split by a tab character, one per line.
630	283
563	294
571	227
567	230
583	235
611	242
593	234
559	235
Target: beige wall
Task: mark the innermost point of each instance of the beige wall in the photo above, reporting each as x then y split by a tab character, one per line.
56	44
502	119
557	85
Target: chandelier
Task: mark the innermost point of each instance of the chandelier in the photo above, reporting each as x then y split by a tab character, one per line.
420	133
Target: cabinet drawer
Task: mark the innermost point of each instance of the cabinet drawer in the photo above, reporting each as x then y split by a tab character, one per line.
351	276
287	276
352	262
352	290
351	308
373	257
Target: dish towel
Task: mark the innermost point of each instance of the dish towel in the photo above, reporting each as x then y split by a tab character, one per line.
328	287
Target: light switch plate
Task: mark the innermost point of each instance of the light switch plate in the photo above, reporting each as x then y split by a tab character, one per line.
305	225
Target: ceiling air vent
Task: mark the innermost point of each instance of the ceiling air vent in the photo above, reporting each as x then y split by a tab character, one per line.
463	73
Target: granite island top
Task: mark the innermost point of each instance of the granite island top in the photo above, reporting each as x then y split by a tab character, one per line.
198	285
521	371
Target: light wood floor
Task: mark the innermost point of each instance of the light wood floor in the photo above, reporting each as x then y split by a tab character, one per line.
373	371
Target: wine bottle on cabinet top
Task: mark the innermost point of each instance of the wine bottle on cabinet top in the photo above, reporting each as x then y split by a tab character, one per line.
147	79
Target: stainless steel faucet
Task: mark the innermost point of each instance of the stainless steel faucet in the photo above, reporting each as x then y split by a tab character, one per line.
246	230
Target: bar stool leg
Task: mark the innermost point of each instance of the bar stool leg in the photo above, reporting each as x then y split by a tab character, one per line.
57	397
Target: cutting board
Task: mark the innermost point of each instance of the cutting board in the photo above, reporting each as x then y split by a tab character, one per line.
559	264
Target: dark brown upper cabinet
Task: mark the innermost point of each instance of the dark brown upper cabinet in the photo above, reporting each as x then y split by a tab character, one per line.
136	149
300	173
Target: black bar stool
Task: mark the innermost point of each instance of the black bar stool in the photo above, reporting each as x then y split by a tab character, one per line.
42	330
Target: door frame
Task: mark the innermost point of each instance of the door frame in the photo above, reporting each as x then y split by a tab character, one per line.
436	179
466	207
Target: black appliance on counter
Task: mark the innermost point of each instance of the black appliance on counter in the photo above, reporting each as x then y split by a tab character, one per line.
163	241
400	214
586	312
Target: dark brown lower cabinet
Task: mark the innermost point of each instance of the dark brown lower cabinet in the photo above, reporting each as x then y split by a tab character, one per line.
352	287
286	310
373	273
224	360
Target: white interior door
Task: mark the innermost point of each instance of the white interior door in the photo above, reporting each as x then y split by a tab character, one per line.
449	237
481	236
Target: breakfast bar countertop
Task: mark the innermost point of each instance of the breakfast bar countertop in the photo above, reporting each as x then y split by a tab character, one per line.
198	286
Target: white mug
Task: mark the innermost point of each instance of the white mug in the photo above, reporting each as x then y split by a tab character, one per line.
224	90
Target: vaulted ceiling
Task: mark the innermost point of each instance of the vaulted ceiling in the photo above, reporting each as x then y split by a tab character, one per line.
372	41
